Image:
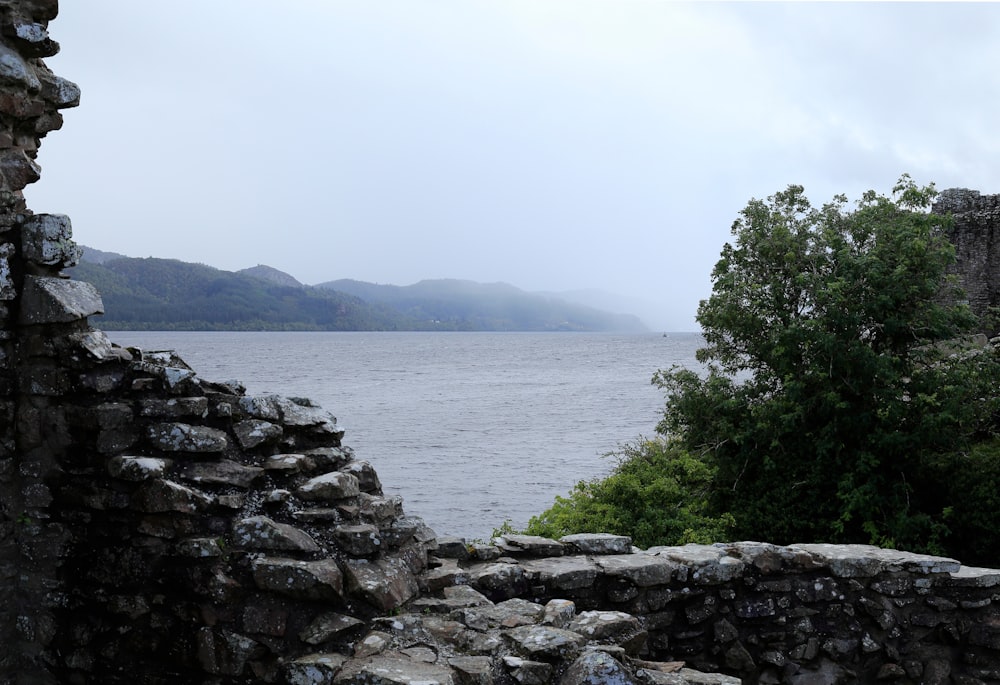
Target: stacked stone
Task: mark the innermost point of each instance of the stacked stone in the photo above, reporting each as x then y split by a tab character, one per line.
464	638
214	533
809	613
30	100
977	251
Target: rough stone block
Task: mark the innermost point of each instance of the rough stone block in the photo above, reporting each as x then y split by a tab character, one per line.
559	613
973	577
175	378
367	477
103	380
14	70
563	573
530	545
360	540
315	669
328	626
199	548
164	495
261	533
97	345
318	580
856	561
611	626
466	596
263	407
527	672
381	511
48	239
450	547
302	413
58	300
293	463
7	289
705	564
329	487
499	581
32	39
330	458
596	667
473	670
598	543
444	576
223	472
174	407
61	93
545	642
254	432
393	667
137	468
385	583
182	437
642	570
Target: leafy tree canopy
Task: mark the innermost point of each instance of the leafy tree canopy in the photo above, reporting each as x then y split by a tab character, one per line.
832	370
841	397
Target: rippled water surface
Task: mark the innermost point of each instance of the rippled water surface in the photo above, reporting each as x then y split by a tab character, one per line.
470	428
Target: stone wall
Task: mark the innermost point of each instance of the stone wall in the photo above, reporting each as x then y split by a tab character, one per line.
158	527
810	613
977	247
30	544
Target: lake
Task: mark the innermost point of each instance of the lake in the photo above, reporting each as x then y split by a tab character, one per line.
472	429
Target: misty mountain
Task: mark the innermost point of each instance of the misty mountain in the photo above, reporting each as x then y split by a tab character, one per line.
662	315
168	294
487	306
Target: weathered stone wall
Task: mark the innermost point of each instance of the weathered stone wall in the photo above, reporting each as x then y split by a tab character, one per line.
976	236
30	544
809	613
157	527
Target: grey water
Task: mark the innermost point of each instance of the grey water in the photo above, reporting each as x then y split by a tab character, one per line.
472	429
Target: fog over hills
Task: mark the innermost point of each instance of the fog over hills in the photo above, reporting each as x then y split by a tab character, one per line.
153	293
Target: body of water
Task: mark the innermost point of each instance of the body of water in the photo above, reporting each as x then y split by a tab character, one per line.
472	429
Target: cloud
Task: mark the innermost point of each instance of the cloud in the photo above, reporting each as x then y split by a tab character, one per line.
565	144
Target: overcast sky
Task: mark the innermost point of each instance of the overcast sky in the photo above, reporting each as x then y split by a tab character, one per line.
551	144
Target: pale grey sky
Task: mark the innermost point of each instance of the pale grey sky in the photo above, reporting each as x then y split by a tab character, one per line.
551	144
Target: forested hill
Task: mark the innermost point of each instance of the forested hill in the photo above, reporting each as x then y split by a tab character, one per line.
487	306
166	294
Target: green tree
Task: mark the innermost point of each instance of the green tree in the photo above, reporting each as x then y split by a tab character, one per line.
828	377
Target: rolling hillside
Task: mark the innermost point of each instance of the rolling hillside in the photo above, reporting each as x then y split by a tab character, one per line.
167	294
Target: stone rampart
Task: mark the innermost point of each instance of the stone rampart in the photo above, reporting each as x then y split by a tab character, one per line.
157	527
810	613
977	248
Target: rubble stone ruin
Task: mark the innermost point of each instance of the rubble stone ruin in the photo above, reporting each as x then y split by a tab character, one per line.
157	527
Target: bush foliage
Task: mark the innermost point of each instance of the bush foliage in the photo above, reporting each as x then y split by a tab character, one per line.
840	400
656	493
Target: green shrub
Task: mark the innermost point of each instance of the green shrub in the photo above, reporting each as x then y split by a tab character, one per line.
657	494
